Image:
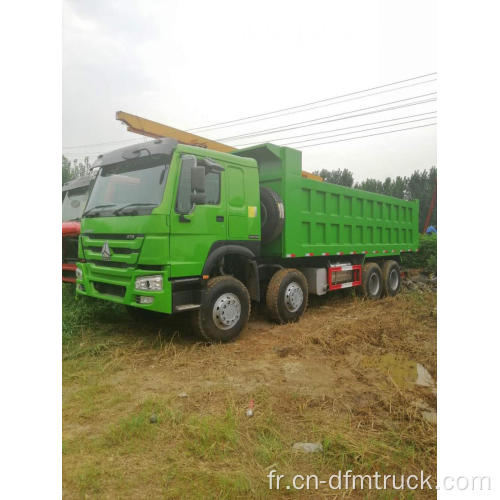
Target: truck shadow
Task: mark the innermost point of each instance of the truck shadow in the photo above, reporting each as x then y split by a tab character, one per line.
177	328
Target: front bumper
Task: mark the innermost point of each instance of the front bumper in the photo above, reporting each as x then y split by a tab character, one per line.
117	284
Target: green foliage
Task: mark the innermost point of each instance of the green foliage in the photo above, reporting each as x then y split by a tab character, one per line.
425	258
76	169
67	174
419	186
342	177
396	187
79	312
210	436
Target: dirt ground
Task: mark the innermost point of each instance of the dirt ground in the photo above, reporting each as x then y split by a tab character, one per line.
344	376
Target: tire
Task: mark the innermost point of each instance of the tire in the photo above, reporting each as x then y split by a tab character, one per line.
391	278
287	296
224	310
371	281
272	215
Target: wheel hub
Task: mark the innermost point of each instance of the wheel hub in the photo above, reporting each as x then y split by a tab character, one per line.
294	296
227	311
373	284
393	279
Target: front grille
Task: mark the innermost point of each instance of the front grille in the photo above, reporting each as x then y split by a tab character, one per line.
109	263
109	289
123	251
149	267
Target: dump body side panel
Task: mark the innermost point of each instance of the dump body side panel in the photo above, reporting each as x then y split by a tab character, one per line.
328	219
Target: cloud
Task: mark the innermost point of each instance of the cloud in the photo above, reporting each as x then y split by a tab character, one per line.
188	63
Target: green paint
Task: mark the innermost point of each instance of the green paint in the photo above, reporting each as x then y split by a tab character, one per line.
319	218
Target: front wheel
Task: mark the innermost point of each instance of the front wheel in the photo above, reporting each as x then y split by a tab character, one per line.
224	310
287	296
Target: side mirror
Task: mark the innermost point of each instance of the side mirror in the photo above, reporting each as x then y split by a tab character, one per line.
198	198
197	179
212	166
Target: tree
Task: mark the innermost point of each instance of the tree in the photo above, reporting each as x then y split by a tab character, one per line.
419	185
67	173
76	169
343	177
372	185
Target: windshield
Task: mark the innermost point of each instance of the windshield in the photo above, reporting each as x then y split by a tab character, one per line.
74	203
133	187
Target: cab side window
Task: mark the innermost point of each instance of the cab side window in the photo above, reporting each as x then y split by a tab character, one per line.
212	180
184	204
212	189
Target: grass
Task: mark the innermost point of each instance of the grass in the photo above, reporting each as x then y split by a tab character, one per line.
343	383
425	258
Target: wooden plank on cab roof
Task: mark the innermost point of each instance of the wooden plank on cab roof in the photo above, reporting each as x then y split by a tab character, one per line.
156	130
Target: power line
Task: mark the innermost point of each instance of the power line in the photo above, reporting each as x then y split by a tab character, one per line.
320	106
302	124
359	131
311	103
369	135
337	129
216	125
322	132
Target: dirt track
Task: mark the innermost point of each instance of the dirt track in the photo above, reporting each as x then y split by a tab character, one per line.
348	366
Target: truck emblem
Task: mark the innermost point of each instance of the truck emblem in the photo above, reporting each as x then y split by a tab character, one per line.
106	251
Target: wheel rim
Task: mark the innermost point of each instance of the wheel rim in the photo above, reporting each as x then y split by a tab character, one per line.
294	297
393	279
373	284
227	311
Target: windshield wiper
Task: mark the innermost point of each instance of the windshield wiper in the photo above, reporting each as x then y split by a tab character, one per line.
119	209
90	210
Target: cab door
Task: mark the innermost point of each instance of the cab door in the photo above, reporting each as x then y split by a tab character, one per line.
194	227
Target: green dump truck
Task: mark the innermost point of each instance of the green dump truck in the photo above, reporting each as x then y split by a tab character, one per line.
170	228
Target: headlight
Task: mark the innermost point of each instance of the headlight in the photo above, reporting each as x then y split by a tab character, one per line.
153	283
79	273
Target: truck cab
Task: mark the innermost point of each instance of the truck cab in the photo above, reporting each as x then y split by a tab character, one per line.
74	198
161	219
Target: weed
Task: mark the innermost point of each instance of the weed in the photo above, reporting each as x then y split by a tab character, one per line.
334	387
425	258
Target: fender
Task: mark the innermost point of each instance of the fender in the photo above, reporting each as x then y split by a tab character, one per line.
248	249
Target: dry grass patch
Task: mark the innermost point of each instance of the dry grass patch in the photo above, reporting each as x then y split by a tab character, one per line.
340	377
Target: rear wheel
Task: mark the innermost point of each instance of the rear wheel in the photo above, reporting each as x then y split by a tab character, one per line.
391	278
371	282
287	296
224	310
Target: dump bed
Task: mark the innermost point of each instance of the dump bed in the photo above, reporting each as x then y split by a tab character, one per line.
327	219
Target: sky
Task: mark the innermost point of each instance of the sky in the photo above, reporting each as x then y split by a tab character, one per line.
192	63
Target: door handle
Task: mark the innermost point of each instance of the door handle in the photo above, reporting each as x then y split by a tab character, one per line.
219	218
183	218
